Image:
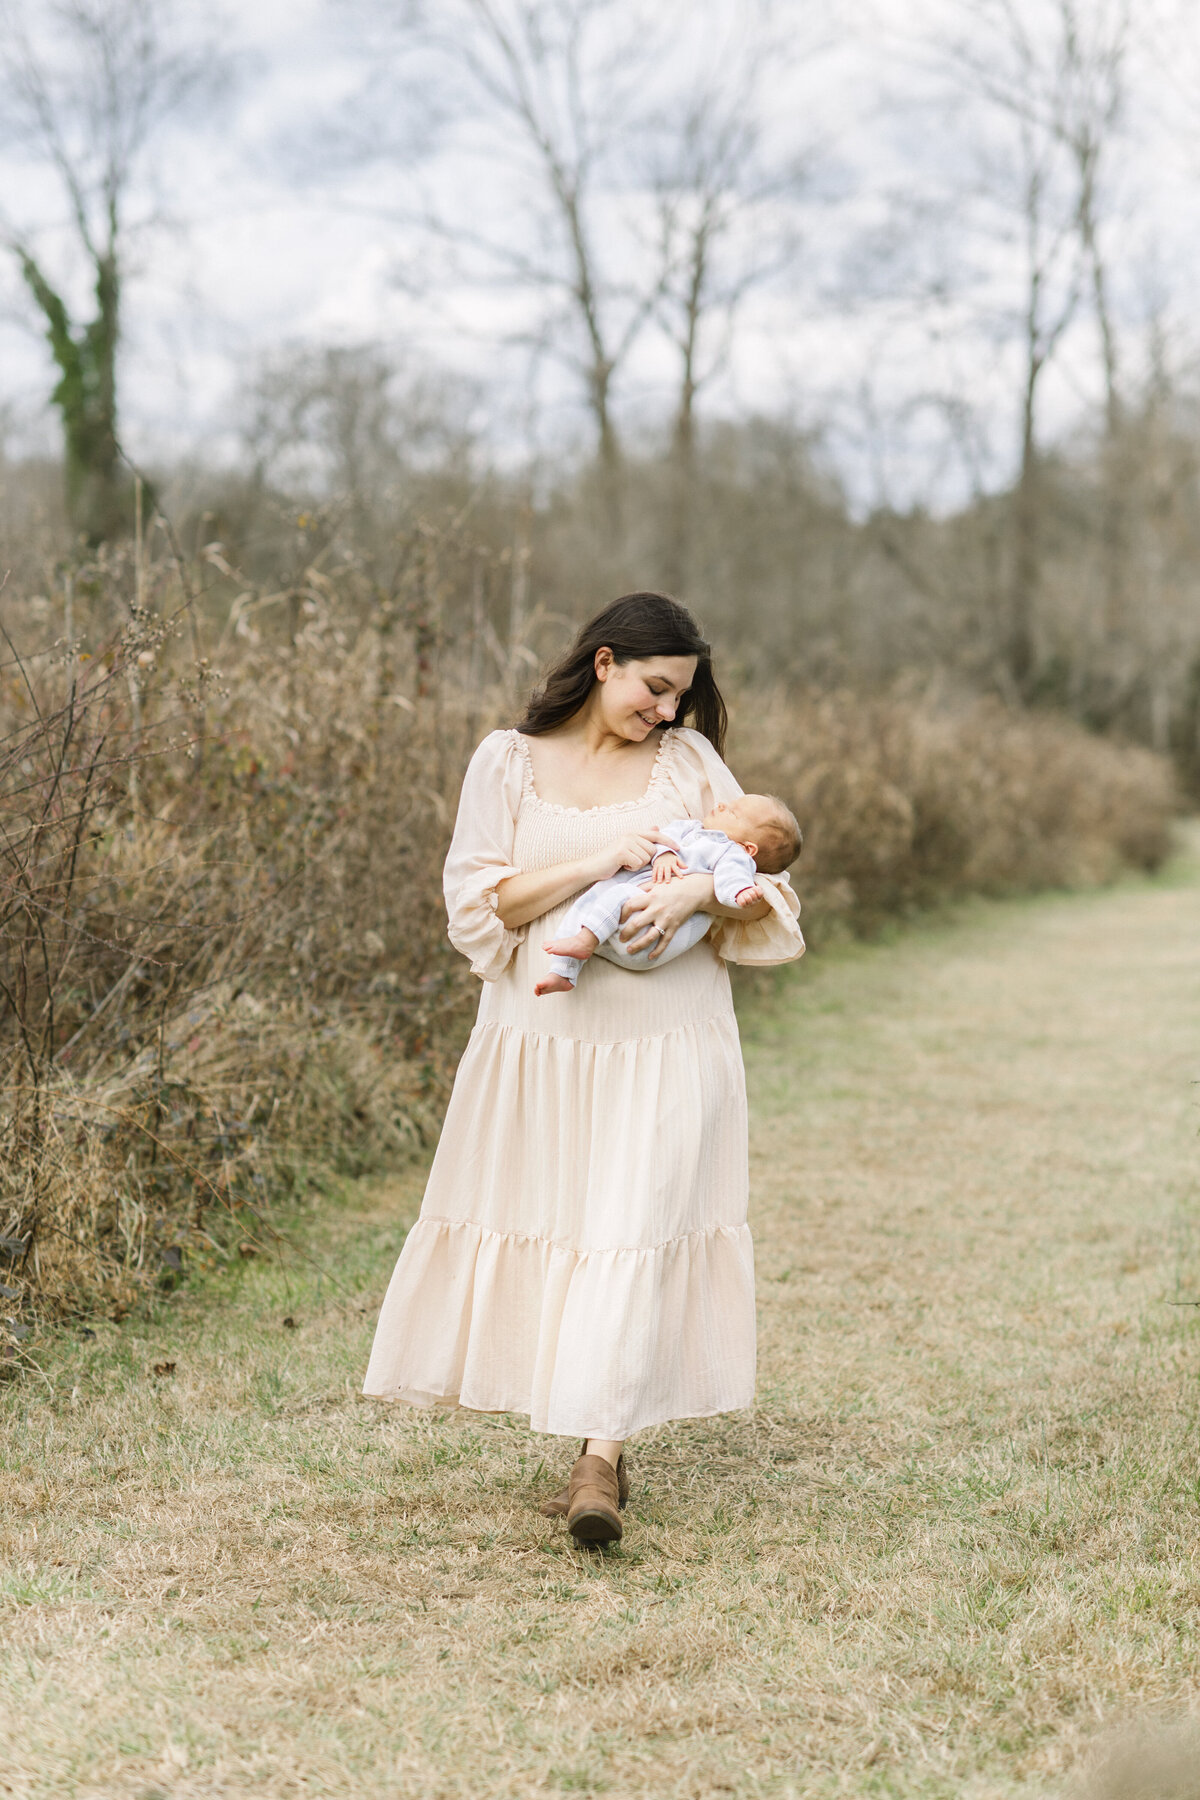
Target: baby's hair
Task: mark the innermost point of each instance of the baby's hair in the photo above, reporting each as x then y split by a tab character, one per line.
783	839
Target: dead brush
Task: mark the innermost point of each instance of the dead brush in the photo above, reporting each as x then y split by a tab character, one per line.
907	799
223	964
224	973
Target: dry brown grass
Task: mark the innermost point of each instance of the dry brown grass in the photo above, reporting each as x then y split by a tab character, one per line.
225	972
910	799
951	1552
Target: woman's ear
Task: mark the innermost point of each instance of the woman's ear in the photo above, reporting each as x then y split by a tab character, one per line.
603	663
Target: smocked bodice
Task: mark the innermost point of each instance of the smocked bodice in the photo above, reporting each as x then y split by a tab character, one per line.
505	828
547	833
610	1003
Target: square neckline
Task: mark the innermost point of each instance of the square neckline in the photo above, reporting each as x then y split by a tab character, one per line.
529	787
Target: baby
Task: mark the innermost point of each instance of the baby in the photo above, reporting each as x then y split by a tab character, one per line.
732	843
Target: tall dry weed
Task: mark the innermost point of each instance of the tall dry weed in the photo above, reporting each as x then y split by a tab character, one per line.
222	941
908	799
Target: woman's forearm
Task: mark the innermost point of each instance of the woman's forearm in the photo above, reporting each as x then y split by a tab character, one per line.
535	891
760	910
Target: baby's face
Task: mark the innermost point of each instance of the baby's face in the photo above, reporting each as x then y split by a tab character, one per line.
744	819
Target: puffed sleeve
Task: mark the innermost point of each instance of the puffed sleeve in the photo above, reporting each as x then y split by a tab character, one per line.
480	855
703	780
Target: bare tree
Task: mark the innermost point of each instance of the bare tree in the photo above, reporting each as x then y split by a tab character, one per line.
724	211
548	93
1039	92
1095	50
86	85
627	141
1060	76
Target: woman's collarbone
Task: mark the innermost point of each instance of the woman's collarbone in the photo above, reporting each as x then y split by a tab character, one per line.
573	784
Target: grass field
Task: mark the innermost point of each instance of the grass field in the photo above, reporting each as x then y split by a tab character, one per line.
954	1550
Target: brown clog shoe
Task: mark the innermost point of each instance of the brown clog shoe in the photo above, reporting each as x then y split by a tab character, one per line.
557	1505
594	1506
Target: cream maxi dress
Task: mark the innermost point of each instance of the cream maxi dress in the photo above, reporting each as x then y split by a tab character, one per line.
582	1253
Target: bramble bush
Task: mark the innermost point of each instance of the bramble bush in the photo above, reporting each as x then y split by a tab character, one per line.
224	975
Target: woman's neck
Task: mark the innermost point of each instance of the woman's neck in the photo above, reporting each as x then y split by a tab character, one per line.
594	736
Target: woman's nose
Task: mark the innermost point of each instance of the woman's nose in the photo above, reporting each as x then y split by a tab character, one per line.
666	708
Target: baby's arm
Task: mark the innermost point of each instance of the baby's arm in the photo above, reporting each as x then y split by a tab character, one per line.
668	864
735	878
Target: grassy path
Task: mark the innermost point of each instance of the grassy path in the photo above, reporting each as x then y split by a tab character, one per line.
958	1537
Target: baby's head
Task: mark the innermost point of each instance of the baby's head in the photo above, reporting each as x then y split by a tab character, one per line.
761	824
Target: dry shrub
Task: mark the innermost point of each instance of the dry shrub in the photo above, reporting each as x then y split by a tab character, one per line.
224	954
907	800
222	942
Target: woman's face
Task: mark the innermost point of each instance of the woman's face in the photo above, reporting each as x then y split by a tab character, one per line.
634	697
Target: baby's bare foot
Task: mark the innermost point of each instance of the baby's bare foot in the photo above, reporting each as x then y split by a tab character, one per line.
580	946
554	984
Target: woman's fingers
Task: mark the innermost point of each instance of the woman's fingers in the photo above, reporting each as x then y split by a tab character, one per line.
646	920
637	902
636	850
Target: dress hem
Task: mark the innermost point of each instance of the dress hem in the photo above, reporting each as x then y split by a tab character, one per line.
420	1401
608	1341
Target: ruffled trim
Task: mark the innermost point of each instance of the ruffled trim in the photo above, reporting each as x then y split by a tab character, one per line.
763	942
542	1242
530	792
600	1343
476	928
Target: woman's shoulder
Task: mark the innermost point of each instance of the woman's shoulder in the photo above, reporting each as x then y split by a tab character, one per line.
498	748
701	768
498	764
694	747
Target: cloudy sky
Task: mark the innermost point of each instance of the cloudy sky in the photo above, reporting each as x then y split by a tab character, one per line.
288	210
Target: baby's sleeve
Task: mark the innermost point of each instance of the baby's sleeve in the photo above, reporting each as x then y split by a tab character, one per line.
733	871
480	855
680	832
703	779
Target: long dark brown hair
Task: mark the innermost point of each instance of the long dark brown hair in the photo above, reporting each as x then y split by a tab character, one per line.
635	628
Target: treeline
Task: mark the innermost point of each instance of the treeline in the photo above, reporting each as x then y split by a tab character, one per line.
345	464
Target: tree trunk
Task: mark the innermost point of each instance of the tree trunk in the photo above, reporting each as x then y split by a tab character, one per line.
97	493
1115	466
1026	565
601	365
683	437
608	445
682	478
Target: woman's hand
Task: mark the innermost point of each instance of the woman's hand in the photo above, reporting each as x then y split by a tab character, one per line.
630	852
522	898
653	914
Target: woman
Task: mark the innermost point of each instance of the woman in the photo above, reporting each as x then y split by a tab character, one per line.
582	1253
